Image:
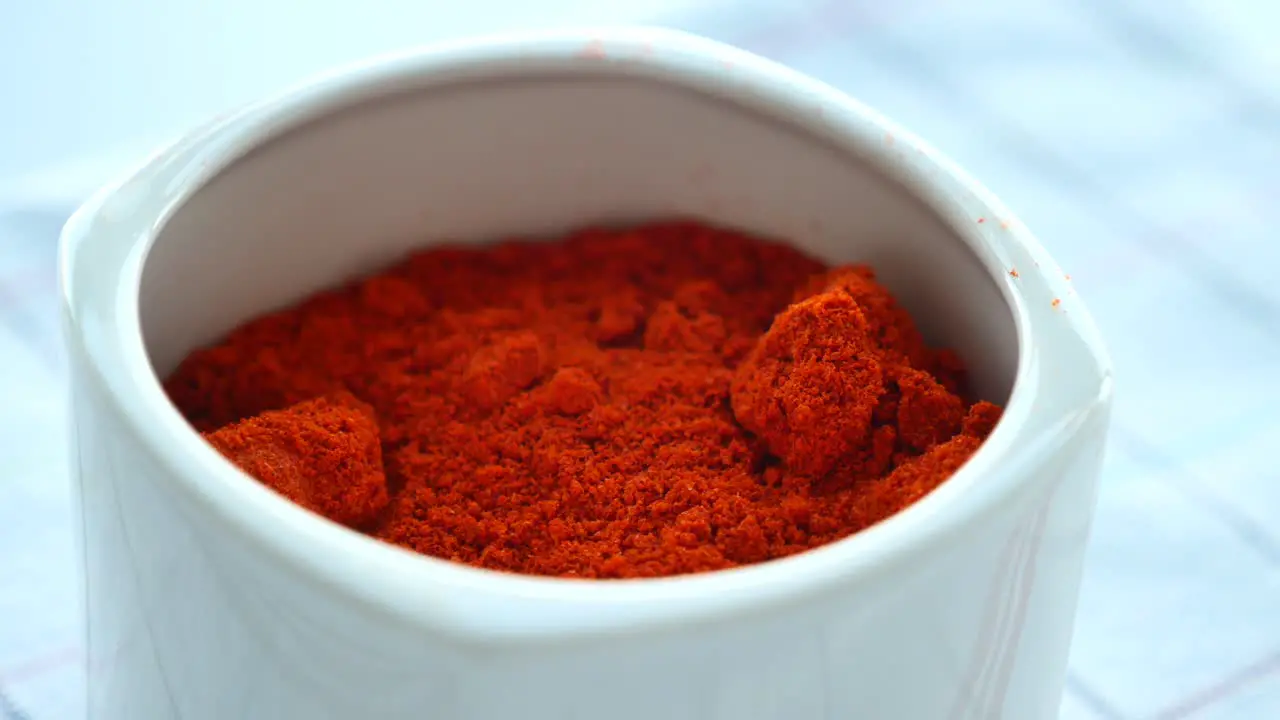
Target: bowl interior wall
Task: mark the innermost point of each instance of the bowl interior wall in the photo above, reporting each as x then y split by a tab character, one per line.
359	188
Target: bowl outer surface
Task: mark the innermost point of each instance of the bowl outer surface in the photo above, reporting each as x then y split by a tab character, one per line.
209	597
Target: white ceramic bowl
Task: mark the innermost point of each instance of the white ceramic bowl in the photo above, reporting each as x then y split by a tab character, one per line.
210	597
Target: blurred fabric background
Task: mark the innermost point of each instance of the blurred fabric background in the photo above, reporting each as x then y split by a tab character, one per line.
1139	138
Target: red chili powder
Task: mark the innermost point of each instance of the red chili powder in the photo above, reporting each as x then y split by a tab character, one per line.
665	399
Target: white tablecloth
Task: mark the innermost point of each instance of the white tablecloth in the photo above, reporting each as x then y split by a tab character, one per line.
1139	138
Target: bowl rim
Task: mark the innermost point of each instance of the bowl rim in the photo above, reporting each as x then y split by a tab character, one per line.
118	225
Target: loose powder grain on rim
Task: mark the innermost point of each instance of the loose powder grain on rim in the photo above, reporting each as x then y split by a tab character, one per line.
657	400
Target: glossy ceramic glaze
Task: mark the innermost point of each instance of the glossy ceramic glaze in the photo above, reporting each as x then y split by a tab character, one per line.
209	597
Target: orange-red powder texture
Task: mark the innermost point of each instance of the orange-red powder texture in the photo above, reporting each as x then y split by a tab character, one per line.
664	399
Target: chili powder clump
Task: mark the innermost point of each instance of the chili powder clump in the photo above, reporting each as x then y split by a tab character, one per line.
665	399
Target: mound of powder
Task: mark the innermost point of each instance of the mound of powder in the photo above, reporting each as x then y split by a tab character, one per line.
657	400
